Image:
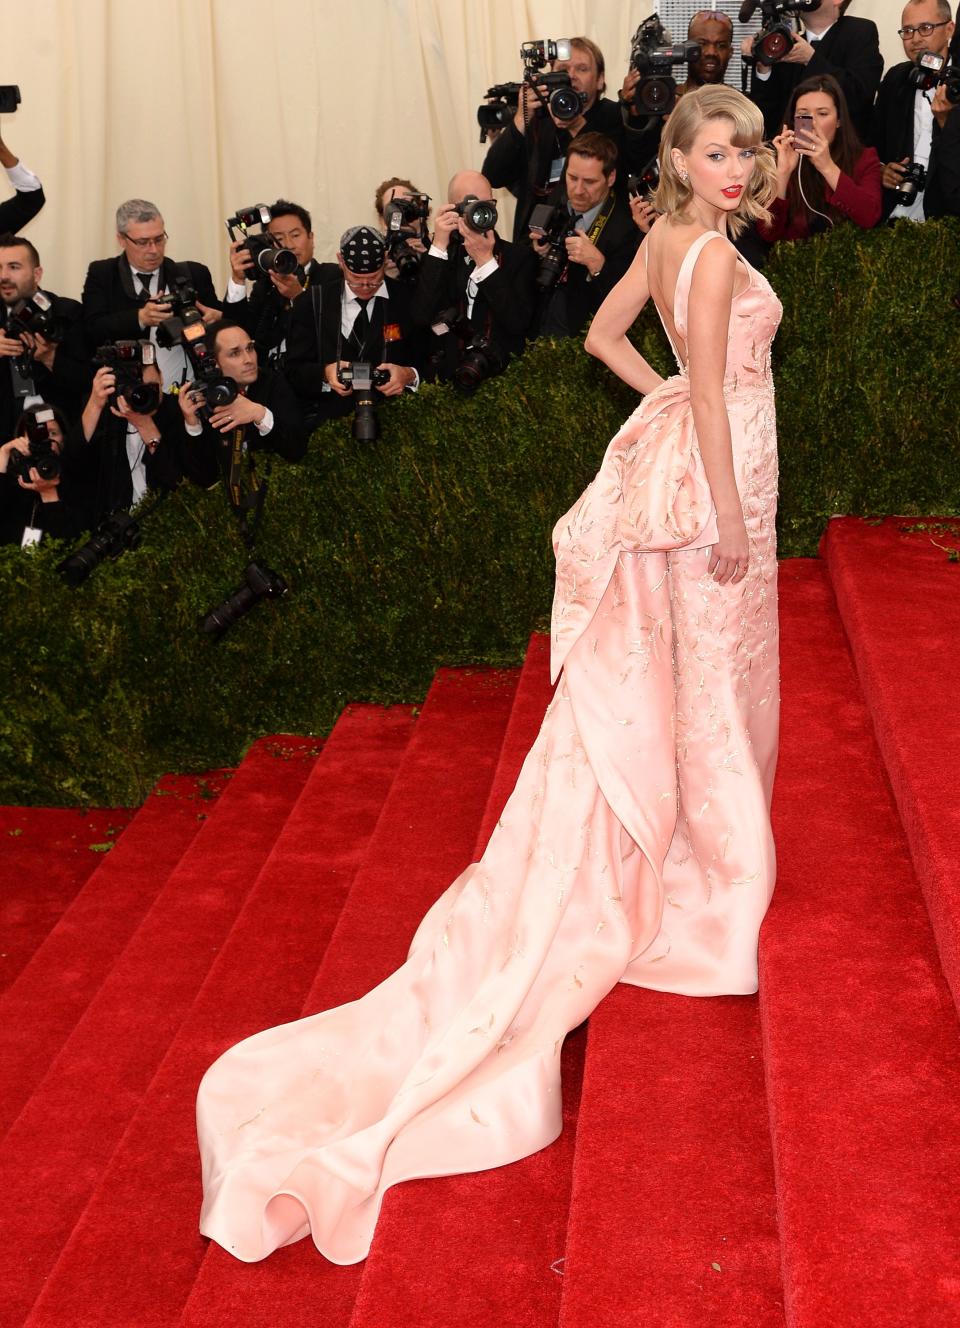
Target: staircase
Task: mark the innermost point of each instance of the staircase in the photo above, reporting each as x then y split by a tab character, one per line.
791	1161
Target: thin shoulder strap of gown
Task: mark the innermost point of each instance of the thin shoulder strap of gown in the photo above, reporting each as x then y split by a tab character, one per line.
681	296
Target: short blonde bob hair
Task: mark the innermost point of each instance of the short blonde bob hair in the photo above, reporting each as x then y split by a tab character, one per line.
695	109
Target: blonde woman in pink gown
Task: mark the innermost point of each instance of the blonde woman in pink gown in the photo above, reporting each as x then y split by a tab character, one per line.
636	845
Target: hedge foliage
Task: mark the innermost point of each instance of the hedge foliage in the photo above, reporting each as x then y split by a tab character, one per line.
431	546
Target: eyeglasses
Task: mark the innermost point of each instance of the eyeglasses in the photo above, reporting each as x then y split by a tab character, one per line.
148	240
923	29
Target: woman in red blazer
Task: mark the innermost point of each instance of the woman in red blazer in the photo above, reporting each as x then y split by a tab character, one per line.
824	173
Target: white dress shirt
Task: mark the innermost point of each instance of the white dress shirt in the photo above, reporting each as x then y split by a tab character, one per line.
477	275
22	178
172	363
922	144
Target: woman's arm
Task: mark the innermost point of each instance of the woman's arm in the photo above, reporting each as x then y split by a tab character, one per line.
607	338
708	321
860	199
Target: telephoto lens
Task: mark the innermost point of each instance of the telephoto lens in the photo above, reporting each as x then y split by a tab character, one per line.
258	583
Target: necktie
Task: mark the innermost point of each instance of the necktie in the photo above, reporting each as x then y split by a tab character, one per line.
144	285
361	325
813	40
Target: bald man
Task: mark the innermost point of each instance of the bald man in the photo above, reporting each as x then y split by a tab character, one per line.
713	31
473	286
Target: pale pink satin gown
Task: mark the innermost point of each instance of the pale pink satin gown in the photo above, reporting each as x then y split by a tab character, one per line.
635	847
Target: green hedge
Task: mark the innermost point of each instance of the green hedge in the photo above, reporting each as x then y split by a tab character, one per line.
432	546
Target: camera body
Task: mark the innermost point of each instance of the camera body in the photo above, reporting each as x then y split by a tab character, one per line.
34	314
912	182
364	379
932	70
644	184
777	36
127	360
114	535
406	218
361	376
259	582
654	56
267	255
481	359
185	327
41	457
553	225
558	96
499	108
9	99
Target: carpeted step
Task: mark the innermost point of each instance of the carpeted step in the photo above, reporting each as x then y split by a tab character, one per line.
861	1048
56	1150
481	1248
68	968
259	978
899	598
46	856
425	837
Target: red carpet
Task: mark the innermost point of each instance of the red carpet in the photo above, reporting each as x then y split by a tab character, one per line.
787	1162
861	1050
899	598
46	855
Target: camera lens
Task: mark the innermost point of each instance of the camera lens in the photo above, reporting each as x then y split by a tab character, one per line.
282	261
773	47
564	104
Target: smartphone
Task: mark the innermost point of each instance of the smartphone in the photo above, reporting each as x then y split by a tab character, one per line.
803	124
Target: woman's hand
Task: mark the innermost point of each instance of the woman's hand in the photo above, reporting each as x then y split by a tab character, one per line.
813	145
787	155
730	556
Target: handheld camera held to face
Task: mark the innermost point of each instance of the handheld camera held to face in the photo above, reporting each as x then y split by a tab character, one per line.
41	456
406	219
267	255
553	91
932	70
654	56
127	360
777	35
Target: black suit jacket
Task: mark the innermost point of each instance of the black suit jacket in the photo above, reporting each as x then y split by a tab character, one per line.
17	211
618	242
306	354
98	471
111	302
67	384
205	458
891	133
506	300
850	51
265	313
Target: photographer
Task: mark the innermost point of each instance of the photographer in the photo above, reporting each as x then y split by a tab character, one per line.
23	207
264	417
355	313
122	297
845	181
264	309
596	239
390	191
528	156
52	366
848	49
482	284
118	454
34	500
918	127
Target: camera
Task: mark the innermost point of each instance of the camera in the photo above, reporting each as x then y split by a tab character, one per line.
364	379
932	70
644	184
258	583
481	358
9	99
41	456
499	108
34	314
267	255
127	359
406	217
478	214
912	182
654	56
553	225
115	534
185	327
776	36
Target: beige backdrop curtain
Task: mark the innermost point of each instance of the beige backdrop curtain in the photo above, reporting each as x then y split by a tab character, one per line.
207	105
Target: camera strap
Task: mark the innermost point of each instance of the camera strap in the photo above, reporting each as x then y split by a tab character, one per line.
246	489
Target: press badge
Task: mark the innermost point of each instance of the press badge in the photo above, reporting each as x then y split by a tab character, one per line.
556	169
31	535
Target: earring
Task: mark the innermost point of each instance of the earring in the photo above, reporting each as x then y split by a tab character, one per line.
683	176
